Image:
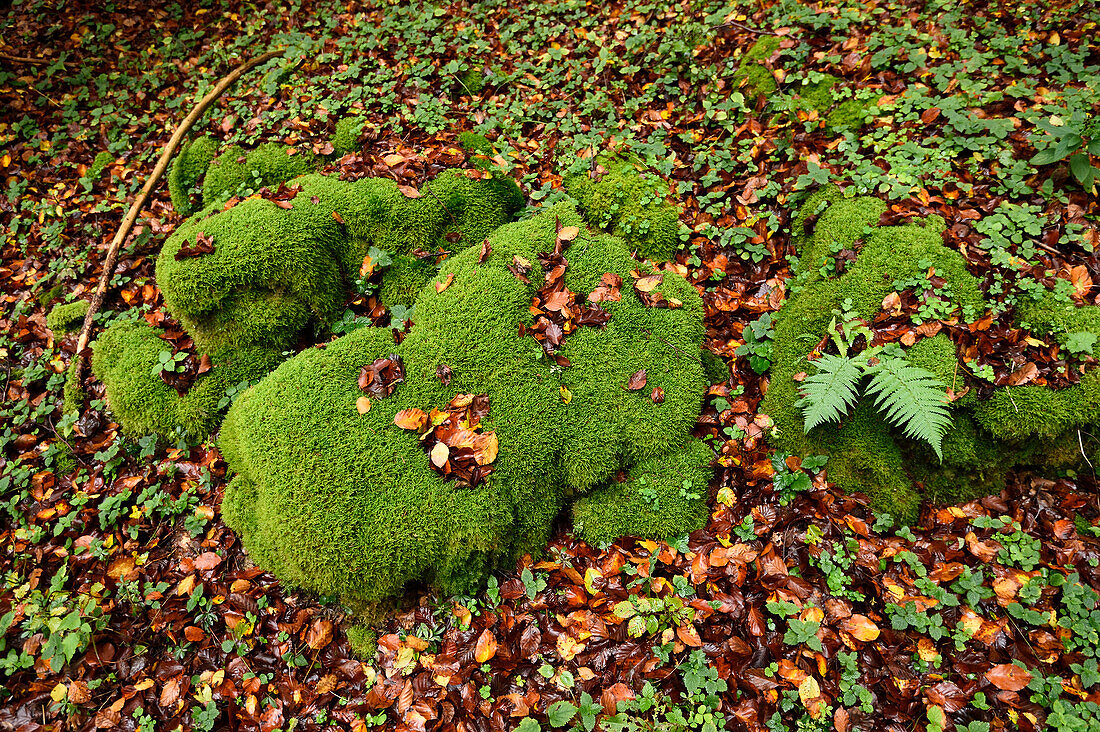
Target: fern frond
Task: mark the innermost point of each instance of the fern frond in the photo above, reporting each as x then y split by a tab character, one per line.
912	399
830	393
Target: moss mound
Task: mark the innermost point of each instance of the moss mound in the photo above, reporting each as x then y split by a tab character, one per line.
67	318
621	198
271	271
1023	425
345	139
344	502
235	170
189	166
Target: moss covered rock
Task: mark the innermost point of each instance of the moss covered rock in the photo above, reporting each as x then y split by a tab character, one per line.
279	270
1023	425
188	168
340	500
619	196
235	170
67	318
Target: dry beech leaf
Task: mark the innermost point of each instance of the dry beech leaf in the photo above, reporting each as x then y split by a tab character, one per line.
637	380
568	233
441	286
362	404
320	634
409	191
1008	677
393	159
486	646
411	419
439	454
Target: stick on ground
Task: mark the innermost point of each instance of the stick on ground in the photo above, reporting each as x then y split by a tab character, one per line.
139	203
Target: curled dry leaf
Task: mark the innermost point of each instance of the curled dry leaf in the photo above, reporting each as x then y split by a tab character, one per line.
441	286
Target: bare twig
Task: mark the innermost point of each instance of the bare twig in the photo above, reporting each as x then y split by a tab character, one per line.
131	216
735	24
33	61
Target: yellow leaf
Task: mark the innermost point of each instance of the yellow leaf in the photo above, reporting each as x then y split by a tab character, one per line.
809	691
566	395
861	628
362	404
486	646
590	575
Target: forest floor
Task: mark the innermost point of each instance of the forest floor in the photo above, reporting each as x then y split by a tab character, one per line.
126	603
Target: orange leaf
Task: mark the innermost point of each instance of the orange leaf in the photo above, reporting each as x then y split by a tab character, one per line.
486	646
861	628
207	560
441	286
689	636
409	191
411	419
1008	677
637	380
362	404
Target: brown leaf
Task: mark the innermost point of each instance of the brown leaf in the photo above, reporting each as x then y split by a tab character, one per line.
689	636
1008	677
320	634
441	286
193	633
568	233
657	395
861	628
79	693
486	250
1028	372
637	380
207	560
326	684
411	419
486	646
409	191
170	692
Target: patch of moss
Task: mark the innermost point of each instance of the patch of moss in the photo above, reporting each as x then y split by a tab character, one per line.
345	139
189	166
123	357
473	142
277	273
346	504
67	318
470	82
363	641
268	165
716	368
630	203
752	77
102	160
1016	426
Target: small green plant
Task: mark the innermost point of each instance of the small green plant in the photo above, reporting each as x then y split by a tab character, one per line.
1074	138
172	363
758	335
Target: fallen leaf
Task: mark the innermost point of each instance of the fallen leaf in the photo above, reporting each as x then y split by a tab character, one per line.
637	380
861	628
362	404
441	286
207	560
411	419
486	646
320	634
439	454
409	191
1008	677
809	691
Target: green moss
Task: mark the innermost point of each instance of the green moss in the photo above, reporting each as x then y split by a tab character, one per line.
235	171
67	318
123	358
631	204
102	160
472	142
849	114
73	392
752	77
363	641
189	166
345	503
1015	426
816	95
404	279
715	367
470	82
345	139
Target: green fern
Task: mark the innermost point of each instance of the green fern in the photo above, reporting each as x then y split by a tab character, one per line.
912	399
831	392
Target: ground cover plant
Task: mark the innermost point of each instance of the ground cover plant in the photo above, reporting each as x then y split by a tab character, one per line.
128	603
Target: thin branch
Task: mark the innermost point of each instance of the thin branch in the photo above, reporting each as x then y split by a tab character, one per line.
131	216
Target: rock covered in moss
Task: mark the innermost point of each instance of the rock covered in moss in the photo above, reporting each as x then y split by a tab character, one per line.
1022	425
188	168
619	196
67	318
235	170
247	282
345	139
338	499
